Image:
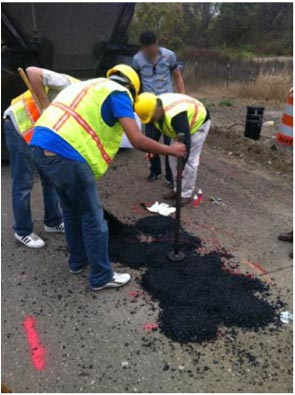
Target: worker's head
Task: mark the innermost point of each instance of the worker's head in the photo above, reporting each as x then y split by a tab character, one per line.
148	107
126	76
149	44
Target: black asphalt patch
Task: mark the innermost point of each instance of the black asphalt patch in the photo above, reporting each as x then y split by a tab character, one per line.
197	296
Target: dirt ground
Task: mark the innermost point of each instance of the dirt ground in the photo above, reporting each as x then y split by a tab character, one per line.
227	133
102	342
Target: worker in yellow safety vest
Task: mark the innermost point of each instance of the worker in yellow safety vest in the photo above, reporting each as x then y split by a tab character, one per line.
172	114
19	121
74	142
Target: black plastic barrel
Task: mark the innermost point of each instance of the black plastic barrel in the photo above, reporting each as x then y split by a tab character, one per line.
254	122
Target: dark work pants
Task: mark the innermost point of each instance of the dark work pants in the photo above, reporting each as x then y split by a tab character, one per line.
22	173
85	227
152	132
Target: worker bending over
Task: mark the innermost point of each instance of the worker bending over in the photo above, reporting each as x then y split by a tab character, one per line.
74	143
174	113
18	128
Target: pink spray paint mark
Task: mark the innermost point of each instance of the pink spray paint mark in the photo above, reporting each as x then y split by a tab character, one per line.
134	294
237	272
151	327
36	348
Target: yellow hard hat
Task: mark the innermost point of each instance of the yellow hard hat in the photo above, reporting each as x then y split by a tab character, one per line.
145	106
128	72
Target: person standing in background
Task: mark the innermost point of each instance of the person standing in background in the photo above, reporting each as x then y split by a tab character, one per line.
157	67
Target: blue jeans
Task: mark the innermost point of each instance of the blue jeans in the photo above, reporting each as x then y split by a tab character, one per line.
153	133
85	227
22	173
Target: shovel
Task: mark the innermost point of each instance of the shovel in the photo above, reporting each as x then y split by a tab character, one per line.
176	255
28	84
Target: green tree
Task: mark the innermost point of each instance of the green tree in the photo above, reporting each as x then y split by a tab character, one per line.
258	28
165	19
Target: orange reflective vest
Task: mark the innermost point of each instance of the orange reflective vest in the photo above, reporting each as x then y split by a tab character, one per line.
26	112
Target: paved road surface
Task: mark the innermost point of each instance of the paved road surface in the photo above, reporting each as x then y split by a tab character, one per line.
96	342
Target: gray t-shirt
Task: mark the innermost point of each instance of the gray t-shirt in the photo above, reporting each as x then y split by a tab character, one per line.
157	77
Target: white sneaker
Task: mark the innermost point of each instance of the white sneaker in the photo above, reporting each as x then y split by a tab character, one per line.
55	229
117	281
32	240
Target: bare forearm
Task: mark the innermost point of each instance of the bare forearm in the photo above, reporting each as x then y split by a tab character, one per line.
179	81
148	145
180	85
35	76
143	143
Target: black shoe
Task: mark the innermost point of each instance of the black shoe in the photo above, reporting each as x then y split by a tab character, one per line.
153	177
286	237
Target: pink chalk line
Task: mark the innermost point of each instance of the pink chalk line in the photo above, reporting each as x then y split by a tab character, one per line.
36	348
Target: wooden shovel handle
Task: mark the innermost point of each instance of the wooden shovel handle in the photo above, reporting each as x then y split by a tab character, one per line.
28	84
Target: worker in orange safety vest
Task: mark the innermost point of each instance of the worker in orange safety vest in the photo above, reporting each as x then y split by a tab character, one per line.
19	122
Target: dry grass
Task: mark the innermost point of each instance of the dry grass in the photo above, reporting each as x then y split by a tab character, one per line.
260	79
266	87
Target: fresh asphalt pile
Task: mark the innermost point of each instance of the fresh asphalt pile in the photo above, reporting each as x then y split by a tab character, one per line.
196	296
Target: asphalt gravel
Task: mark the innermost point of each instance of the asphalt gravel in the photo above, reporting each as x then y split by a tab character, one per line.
197	295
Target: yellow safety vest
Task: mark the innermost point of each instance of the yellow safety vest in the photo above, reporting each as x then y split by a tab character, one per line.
75	115
26	112
175	103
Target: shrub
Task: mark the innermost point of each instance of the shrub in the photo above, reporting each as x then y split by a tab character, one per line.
267	86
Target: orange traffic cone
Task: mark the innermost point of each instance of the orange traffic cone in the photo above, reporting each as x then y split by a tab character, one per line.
284	136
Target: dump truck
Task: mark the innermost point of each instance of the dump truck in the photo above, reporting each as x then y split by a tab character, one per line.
80	39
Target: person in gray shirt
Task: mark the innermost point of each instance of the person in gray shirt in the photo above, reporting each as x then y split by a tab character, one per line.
157	67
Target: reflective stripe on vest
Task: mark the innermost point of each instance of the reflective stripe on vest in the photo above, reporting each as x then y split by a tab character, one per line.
70	111
28	135
25	113
88	129
75	115
193	102
174	104
73	105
